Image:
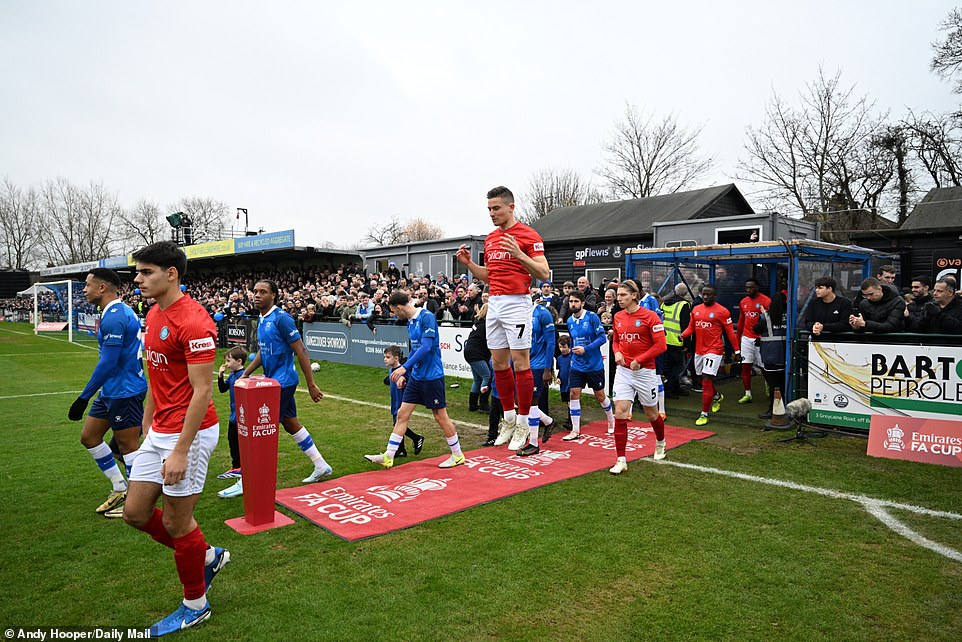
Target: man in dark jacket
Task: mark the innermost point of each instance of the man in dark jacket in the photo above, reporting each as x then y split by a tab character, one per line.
827	312
677	312
882	308
921	287
943	314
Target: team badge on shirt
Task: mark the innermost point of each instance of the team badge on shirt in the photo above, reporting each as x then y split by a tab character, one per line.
164	333
637	323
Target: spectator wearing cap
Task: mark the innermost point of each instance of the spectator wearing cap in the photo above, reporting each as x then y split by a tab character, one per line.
548	296
392	273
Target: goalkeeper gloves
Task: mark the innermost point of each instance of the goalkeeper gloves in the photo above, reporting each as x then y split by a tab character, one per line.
76	412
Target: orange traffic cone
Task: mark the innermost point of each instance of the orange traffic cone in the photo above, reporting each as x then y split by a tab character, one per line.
779	417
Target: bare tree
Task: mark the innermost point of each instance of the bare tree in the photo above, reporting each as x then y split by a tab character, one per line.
418	229
646	156
549	189
210	218
936	141
20	226
79	223
390	233
144	224
947	58
824	157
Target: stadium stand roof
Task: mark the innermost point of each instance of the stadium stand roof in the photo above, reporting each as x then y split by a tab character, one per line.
635	216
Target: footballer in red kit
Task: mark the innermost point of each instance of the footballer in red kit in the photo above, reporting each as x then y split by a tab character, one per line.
750	309
638	337
181	431
709	322
513	254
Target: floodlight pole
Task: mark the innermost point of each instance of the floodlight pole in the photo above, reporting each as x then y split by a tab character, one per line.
244	210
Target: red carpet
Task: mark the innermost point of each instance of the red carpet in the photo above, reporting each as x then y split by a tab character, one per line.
368	504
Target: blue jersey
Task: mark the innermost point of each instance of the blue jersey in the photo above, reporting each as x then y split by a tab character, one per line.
588	333
542	338
649	302
120	371
424	362
276	331
230	381
396	394
564	369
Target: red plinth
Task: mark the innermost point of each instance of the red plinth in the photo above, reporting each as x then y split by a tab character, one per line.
258	402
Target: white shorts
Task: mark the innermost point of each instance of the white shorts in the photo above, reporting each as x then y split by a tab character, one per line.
508	324
158	446
707	364
641	384
750	352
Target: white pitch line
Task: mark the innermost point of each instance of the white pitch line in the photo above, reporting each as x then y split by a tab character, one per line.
27	334
387	407
875	507
41	354
43	394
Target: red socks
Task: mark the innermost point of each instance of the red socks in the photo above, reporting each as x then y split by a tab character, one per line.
525	390
747	376
189	555
707	394
621	436
155	528
658	424
504	382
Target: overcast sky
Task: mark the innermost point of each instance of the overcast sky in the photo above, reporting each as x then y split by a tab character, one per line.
330	117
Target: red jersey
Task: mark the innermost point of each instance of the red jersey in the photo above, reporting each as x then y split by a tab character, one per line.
638	336
506	274
183	333
708	324
749	310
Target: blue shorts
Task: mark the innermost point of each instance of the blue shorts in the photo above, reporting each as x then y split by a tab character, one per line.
429	394
594	379
288	405
125	412
539	386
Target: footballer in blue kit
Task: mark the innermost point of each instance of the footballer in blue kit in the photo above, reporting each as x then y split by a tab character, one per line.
423	375
119	375
587	364
278	342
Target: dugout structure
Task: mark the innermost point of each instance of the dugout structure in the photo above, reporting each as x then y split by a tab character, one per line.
793	263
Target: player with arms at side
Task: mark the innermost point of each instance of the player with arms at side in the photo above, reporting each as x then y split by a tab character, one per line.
638	337
422	377
278	341
709	321
119	375
749	309
181	430
587	363
513	253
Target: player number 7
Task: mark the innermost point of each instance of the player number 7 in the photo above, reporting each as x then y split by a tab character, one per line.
520	328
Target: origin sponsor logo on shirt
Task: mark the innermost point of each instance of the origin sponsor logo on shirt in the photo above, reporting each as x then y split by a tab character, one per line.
199	345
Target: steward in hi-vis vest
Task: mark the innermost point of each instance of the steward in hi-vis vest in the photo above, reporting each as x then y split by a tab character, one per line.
677	314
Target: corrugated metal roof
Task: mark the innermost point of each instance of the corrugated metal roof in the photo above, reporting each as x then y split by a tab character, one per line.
631	217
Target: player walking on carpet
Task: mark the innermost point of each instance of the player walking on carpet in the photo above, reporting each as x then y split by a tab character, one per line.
278	341
587	365
638	337
424	385
182	430
513	253
709	321
119	375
